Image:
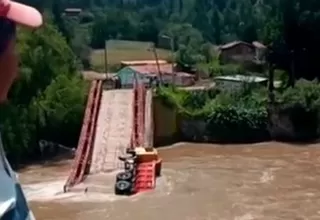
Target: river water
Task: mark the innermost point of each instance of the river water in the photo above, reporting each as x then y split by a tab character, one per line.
266	181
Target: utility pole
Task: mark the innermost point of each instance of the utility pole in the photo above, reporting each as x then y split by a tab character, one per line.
172	56
292	68
153	49
270	68
157	62
106	56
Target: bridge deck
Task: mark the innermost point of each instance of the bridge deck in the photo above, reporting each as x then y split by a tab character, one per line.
113	132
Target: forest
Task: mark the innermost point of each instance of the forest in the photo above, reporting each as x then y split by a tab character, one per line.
289	28
48	101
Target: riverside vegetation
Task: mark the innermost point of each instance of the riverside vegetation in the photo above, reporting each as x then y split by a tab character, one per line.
247	115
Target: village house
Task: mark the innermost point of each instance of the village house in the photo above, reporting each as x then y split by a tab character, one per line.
242	52
149	73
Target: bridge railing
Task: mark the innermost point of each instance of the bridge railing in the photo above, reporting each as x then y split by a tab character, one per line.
85	163
82	158
139	101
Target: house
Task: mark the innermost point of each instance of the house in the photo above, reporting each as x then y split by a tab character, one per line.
242	52
128	76
147	73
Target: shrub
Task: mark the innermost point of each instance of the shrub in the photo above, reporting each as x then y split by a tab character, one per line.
223	113
229	69
86	17
295	114
233	124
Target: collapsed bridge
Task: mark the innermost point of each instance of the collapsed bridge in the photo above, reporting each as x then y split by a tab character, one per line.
114	120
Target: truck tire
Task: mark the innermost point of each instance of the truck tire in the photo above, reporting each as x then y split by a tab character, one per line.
123	188
125	176
129	166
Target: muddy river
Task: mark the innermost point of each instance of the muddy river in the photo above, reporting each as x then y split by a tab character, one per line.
266	181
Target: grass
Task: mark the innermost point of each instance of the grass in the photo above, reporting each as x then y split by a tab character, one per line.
118	50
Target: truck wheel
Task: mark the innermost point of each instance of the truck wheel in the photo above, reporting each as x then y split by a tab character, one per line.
126	176
129	166
123	188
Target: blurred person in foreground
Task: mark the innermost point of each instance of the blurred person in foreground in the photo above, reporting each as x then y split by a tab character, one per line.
13	205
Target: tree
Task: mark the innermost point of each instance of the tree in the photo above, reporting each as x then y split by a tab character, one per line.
47	65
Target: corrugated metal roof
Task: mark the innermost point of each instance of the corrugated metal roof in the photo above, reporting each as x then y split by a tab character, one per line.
233	44
142	62
256	44
152	70
242	78
73	10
